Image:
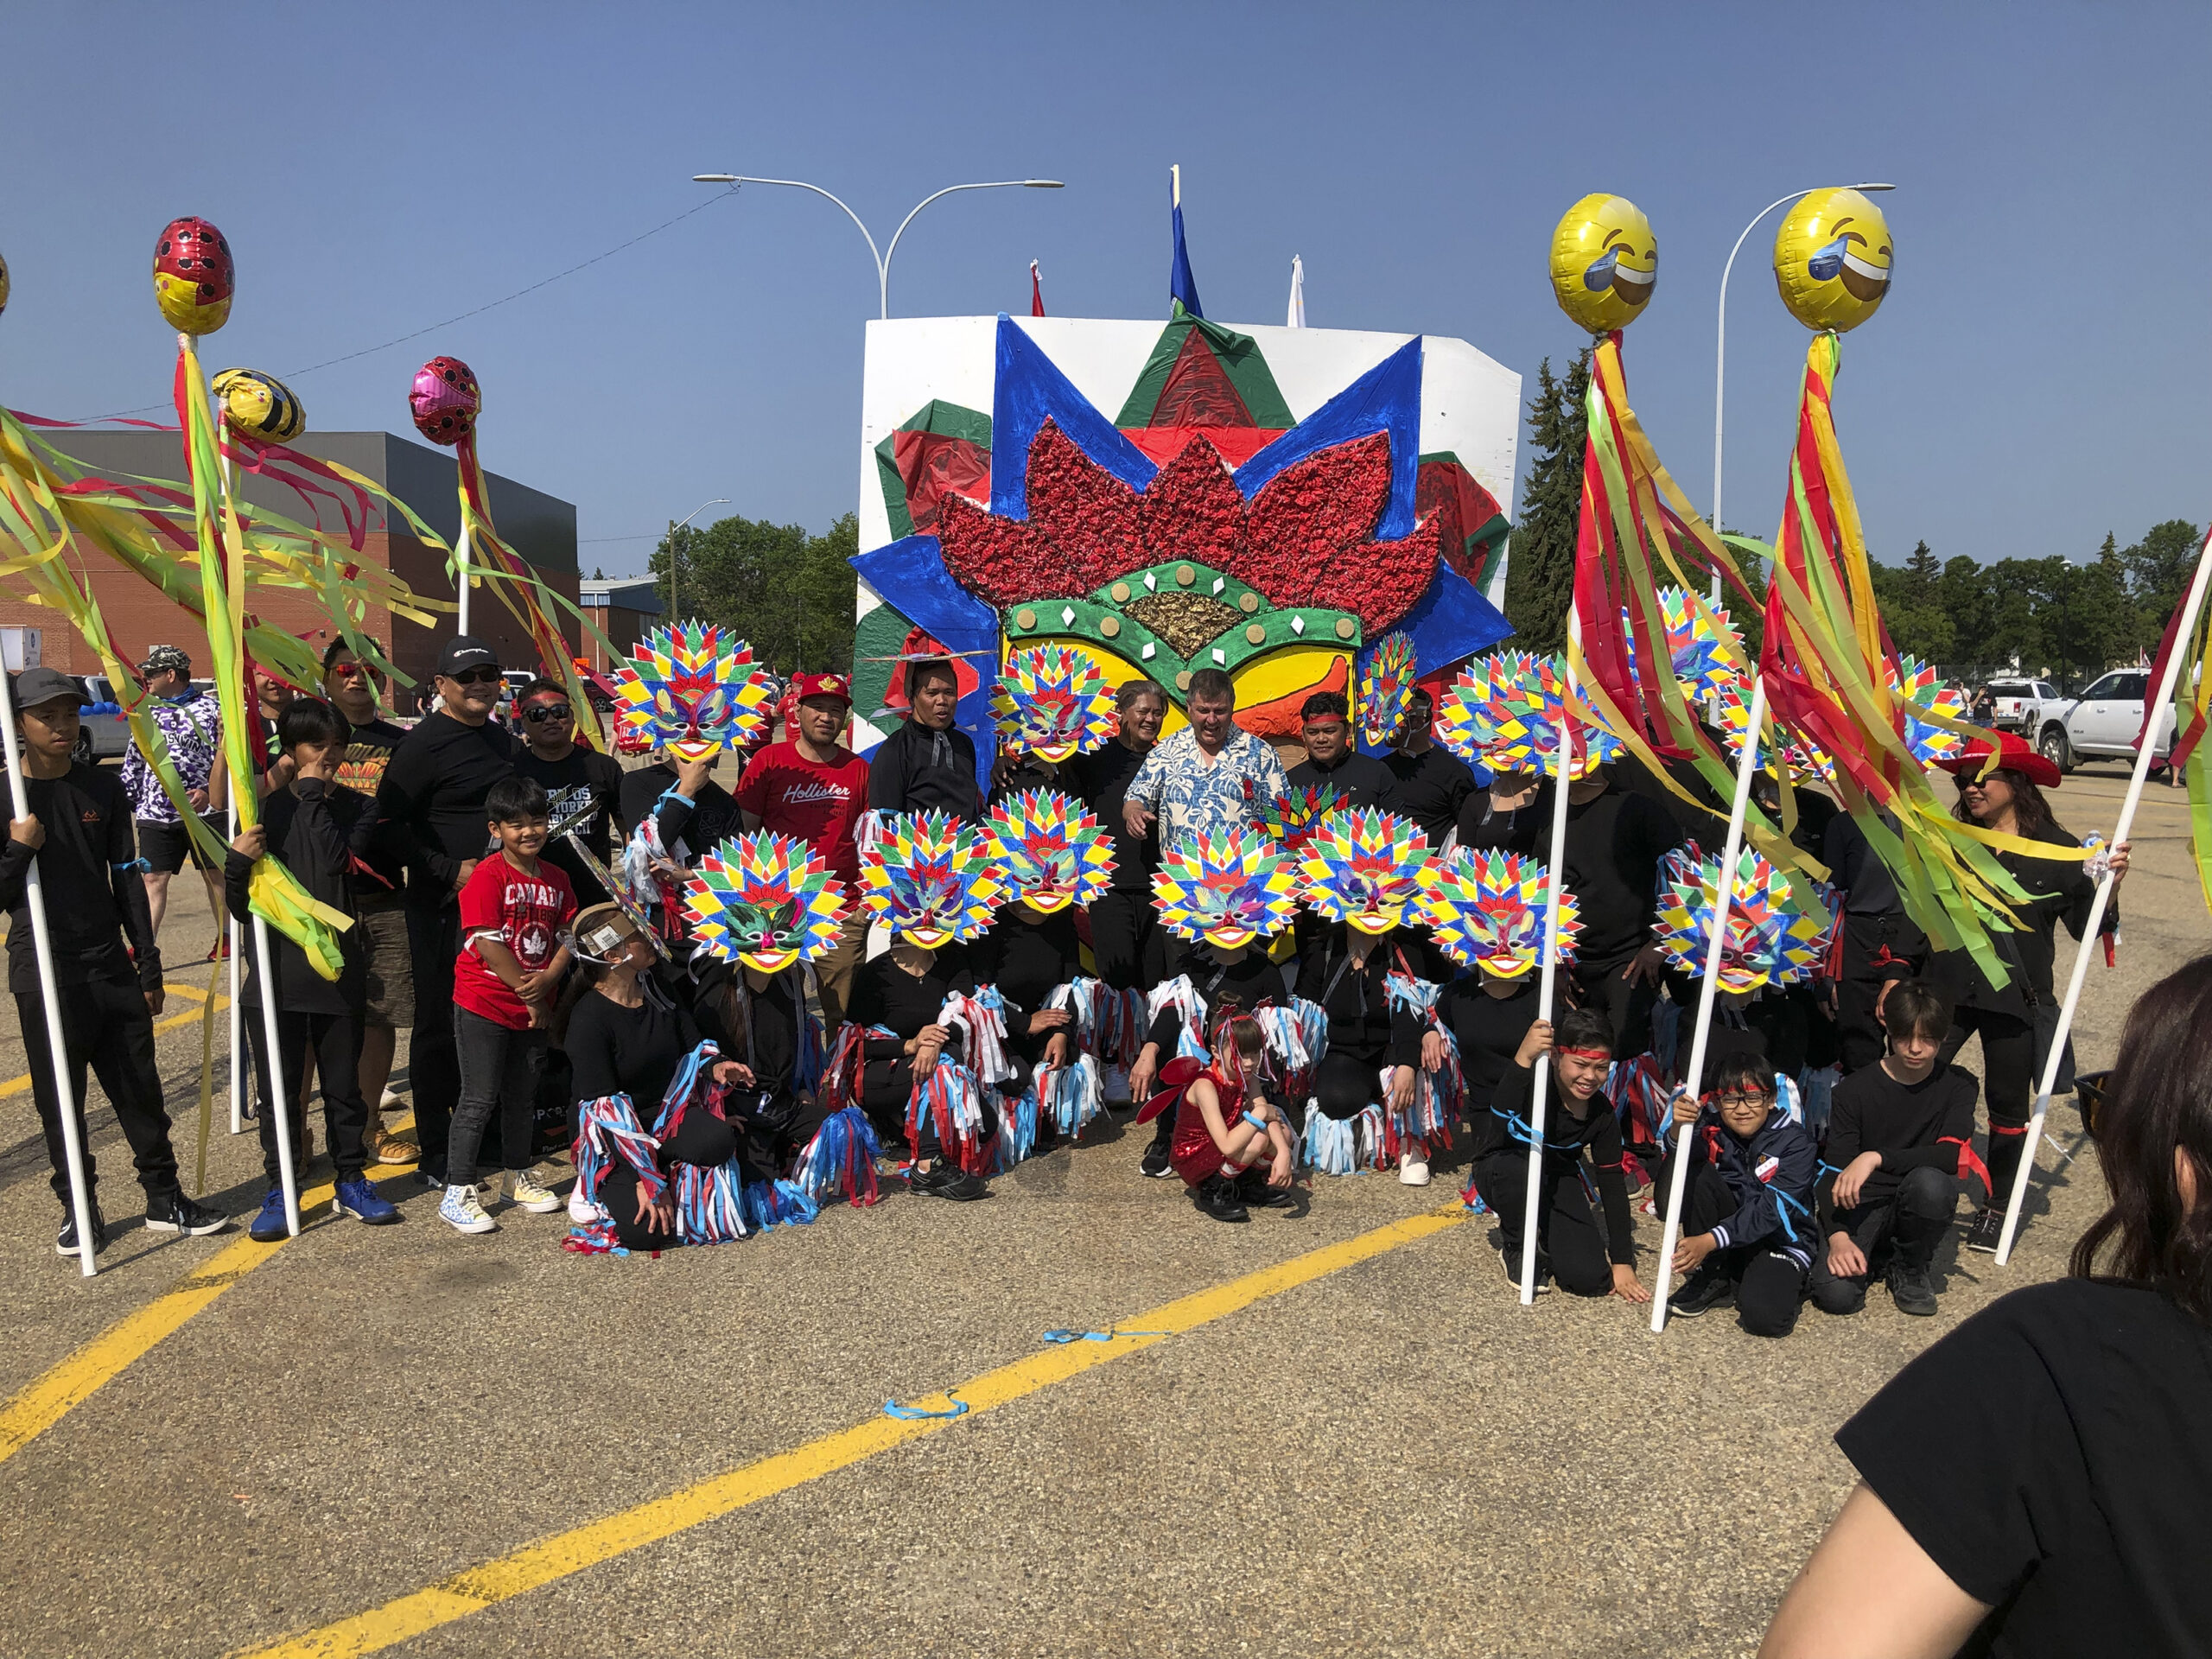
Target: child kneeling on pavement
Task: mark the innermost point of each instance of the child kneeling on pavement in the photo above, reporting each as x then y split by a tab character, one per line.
1747	1227
310	824
1224	1125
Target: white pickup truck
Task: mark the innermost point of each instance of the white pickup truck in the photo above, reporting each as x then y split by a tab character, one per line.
2102	723
2022	705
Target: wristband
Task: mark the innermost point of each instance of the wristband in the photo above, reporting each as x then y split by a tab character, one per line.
1256	1121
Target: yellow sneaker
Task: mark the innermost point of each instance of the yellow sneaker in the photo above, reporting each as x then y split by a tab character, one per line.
525	1194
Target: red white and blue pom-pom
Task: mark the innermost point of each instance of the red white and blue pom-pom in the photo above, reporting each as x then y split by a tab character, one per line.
1068	1098
1183	997
1437	1094
1297	1036
1342	1146
1017	1135
777	1203
957	1108
840	1161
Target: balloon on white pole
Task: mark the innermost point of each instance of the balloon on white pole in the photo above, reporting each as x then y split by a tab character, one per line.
2191	607
1548	984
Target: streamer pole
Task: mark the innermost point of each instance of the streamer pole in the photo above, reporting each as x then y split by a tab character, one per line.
1548	985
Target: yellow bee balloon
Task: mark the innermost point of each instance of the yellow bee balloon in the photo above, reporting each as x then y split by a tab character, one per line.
1604	263
259	405
1831	259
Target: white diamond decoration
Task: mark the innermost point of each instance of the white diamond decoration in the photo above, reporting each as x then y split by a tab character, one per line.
1146	653
1219	655
1220	582
1298	624
1067	615
1151	581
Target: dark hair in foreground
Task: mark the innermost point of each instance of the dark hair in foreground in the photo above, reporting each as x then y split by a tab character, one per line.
330	652
1916	1008
310	720
516	800
920	674
2029	806
2159	1098
1742	1074
1583	1029
1211	685
1324	705
1252	1039
539	687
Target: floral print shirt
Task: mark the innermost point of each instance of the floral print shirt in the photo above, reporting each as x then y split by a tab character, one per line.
193	726
1189	794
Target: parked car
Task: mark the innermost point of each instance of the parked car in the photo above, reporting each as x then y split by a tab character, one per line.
103	734
2102	723
2023	705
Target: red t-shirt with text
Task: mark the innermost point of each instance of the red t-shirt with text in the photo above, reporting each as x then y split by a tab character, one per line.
793	796
526	913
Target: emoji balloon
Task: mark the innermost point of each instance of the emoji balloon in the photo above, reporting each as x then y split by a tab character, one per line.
193	276
3	284
445	400
1604	263
1831	259
259	405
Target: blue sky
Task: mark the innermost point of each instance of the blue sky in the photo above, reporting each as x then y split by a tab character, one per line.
2036	379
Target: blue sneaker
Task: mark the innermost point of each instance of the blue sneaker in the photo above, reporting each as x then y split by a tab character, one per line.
268	1227
360	1198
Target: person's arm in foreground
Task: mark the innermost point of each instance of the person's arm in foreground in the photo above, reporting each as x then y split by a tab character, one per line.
1869	1592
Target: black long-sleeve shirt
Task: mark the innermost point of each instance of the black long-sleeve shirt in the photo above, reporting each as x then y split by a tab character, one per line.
1571	1127
762	1028
1102	780
1488	1030
711	817
1359	781
311	828
579	780
1433	786
1483	827
2057	889
1614	845
1357	997
432	800
884	994
918	770
1908	1123
1026	960
94	910
613	1050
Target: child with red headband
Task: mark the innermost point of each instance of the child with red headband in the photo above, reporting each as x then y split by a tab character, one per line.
1223	1124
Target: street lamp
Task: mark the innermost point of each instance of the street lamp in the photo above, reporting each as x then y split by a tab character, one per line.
719	501
1720	351
883	258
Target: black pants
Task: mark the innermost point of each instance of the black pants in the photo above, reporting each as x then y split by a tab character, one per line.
336	1039
2008	1064
104	1024
433	1067
775	1128
1905	1227
1126	941
1769	1285
886	1086
701	1139
1344	1085
1627	1005
1566	1227
1876	950
499	1076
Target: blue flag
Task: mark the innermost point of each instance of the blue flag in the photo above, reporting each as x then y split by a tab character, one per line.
1182	289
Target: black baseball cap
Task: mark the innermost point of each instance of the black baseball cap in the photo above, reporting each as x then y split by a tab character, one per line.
464	651
36	685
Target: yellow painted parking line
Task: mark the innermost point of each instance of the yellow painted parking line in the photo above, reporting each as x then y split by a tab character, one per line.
68	1385
17	1085
476	1588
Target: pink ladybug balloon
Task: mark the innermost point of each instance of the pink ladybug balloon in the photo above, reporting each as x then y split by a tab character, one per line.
445	400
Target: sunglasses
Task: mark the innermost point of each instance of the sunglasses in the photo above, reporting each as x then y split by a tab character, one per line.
351	671
478	677
539	714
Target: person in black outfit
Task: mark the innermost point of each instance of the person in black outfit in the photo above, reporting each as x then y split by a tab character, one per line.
1581	1119
1345	973
107	970
2009	800
1505	814
311	824
1331	758
431	801
760	1019
927	764
1747	1231
903	991
1028	954
575	778
1225	982
2034	1483
1126	940
1434	784
1881	944
685	805
1614	841
1489	1015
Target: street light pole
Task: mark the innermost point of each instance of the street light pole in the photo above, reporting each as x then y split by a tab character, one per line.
1720	349
882	257
673	526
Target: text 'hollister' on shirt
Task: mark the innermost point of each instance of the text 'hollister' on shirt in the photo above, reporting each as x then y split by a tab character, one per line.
526	912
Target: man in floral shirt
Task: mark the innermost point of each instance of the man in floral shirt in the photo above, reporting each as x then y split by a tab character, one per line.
1203	778
191	720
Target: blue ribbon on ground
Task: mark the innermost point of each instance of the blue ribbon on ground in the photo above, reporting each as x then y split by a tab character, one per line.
913	1414
1065	1336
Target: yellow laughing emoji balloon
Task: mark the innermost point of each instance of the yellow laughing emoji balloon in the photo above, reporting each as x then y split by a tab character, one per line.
1831	259
1604	263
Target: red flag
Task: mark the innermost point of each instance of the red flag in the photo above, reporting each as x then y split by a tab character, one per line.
1036	292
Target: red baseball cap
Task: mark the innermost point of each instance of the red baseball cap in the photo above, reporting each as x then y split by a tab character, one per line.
822	685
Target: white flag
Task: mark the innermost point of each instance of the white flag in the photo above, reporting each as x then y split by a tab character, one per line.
1297	292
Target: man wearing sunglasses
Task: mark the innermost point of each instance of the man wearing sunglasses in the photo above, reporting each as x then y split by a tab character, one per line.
431	803
574	778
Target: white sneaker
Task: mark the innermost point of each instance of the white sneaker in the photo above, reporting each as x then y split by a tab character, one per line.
1412	1171
390	1101
461	1211
527	1194
582	1210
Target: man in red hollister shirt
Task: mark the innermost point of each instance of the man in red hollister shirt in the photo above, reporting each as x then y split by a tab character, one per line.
815	788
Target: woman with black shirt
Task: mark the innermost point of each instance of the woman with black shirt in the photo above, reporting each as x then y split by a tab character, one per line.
1346	974
2010	801
903	991
1029	954
1125	937
2034	1483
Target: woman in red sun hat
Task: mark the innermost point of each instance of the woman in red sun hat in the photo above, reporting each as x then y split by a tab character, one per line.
2017	1019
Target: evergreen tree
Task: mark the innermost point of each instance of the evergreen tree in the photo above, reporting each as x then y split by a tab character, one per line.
1540	575
1925	570
2158	569
787	592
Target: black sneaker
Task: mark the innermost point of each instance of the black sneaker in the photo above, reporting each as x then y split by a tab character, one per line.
1705	1291
1154	1163
65	1242
1910	1291
1986	1231
1252	1188
178	1214
1508	1261
1217	1196
946	1180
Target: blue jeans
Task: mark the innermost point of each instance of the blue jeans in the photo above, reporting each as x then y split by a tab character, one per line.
498	1072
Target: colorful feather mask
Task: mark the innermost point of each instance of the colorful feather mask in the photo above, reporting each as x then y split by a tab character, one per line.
1772	940
766	901
694	691
1362	867
1226	890
1290	820
1385	690
1487	909
1053	702
1504	713
1049	850
930	879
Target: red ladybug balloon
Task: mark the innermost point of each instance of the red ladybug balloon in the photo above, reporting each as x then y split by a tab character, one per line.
445	399
193	278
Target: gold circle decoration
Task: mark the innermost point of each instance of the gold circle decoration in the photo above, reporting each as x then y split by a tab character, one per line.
1025	618
1256	634
1184	575
1120	592
1343	627
1109	625
1248	603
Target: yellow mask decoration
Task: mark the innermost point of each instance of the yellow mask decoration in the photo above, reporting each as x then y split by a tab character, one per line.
1604	263
1831	259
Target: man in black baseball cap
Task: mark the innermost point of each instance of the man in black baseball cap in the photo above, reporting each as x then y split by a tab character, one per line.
79	835
431	805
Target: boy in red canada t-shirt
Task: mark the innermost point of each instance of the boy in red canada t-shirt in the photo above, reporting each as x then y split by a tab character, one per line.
817	788
513	910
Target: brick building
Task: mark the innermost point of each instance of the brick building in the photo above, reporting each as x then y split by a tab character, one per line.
540	528
625	609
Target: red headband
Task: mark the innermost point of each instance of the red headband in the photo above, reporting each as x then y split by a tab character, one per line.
1605	1054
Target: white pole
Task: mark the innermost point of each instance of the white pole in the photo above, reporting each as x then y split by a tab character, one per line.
461	579
236	936
1548	984
1746	768
80	1197
2190	609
